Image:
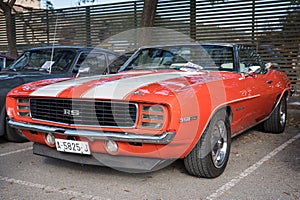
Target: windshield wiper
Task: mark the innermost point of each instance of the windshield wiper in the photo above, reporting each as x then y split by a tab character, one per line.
192	65
9	69
186	66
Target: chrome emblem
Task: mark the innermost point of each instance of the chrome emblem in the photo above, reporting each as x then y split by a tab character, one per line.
71	112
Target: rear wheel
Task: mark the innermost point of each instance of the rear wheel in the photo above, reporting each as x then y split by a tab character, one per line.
210	155
276	122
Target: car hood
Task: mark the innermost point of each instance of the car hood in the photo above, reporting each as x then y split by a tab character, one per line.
119	86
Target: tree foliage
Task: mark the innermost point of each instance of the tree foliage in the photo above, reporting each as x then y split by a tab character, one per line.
149	12
7	8
79	2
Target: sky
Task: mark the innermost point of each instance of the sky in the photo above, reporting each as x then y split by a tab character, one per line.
72	3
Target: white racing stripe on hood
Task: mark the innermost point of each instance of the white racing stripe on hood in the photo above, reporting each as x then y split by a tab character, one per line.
119	89
54	89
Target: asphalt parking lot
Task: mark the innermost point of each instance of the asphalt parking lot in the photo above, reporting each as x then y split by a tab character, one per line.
261	166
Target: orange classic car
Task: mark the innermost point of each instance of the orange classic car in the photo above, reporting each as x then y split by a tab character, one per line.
166	102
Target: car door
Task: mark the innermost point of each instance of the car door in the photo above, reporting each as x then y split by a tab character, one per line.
257	87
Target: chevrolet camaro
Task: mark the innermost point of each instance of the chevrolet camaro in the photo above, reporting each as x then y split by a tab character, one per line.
166	102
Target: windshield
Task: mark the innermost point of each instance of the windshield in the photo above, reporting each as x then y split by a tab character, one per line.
197	57
40	60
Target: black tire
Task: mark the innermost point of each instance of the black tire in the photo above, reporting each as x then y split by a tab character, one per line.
2	122
14	135
276	122
203	160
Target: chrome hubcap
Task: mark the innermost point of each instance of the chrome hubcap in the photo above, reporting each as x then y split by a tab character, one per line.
282	114
219	143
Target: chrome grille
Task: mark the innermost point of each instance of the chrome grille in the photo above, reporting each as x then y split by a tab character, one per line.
85	112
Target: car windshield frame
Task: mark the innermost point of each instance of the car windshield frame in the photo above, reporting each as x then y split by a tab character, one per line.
182	57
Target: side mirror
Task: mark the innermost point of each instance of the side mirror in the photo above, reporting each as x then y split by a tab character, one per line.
270	65
254	70
251	71
77	71
84	70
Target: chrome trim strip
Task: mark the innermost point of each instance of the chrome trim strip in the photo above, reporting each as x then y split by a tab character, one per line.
228	103
279	99
164	138
240	132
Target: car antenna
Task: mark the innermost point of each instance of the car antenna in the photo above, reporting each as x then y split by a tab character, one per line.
52	52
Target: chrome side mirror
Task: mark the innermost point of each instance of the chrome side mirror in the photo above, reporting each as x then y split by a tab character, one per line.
251	71
254	70
83	70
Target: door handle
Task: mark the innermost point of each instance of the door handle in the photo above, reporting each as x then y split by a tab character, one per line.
269	81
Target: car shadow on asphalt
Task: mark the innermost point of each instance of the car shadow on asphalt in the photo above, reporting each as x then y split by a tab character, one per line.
3	140
177	166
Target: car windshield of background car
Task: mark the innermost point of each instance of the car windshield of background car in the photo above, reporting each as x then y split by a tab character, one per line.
92	63
35	60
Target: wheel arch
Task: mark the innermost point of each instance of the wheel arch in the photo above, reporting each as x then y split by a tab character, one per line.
226	108
276	121
284	94
204	160
229	114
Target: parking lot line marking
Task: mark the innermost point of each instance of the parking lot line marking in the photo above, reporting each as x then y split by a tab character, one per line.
48	188
17	151
250	170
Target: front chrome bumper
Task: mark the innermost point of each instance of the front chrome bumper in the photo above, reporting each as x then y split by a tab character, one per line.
164	138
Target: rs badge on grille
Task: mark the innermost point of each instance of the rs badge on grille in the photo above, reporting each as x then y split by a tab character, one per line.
71	112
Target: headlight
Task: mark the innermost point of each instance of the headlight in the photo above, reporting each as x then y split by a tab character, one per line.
23	107
152	116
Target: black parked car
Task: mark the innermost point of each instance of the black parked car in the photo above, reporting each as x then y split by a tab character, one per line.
53	62
5	61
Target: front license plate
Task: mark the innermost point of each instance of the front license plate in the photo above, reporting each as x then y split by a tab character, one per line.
72	146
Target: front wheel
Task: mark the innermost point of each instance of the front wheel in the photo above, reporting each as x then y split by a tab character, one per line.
209	157
13	135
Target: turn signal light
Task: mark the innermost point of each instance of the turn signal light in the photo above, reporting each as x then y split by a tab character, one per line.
50	139
23	107
111	146
153	116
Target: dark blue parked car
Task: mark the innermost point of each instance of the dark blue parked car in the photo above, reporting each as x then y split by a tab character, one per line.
53	62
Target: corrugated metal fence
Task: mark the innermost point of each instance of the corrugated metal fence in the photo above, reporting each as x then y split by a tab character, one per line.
272	27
